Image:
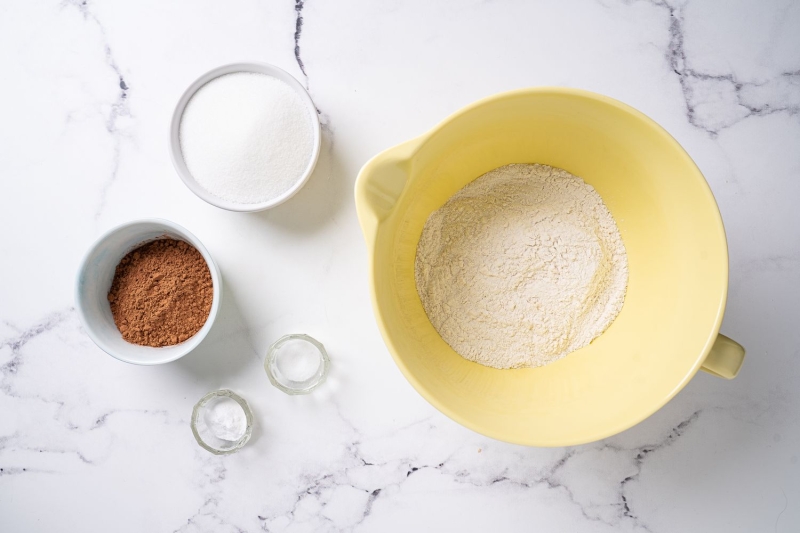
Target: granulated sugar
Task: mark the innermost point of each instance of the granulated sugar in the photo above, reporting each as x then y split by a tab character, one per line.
246	137
521	267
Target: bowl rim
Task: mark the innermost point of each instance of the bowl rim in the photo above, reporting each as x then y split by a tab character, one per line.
189	344
420	141
175	124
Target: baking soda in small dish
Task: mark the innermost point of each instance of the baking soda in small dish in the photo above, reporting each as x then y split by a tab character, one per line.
246	137
225	418
299	360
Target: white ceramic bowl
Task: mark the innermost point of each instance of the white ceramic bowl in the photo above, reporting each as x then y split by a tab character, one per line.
94	281
175	130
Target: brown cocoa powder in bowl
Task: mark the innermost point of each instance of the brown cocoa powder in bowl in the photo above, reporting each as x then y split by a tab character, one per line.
161	294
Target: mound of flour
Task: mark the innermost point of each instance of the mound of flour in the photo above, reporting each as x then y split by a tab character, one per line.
521	267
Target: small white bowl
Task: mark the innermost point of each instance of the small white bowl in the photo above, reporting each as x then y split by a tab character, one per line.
175	132
94	281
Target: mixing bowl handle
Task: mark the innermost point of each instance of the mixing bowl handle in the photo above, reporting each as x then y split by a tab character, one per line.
725	358
380	183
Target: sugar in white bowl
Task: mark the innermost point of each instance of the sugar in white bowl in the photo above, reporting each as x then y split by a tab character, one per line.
247	137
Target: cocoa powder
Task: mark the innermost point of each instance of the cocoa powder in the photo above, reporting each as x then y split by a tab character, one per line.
161	294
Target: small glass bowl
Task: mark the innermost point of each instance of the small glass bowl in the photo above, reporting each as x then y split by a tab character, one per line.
203	434
297	364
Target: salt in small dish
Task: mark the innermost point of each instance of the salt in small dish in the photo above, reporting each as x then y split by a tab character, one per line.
297	364
205	435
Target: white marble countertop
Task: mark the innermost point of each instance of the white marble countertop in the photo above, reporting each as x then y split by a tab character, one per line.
91	444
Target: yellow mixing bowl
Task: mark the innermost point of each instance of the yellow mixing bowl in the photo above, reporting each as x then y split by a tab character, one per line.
669	222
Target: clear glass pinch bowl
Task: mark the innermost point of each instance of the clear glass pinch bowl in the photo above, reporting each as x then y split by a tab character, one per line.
297	364
203	433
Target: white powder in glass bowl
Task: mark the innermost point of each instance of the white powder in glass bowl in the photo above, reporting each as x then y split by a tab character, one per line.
246	137
225	418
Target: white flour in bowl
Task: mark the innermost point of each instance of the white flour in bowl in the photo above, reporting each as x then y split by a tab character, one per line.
521	267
